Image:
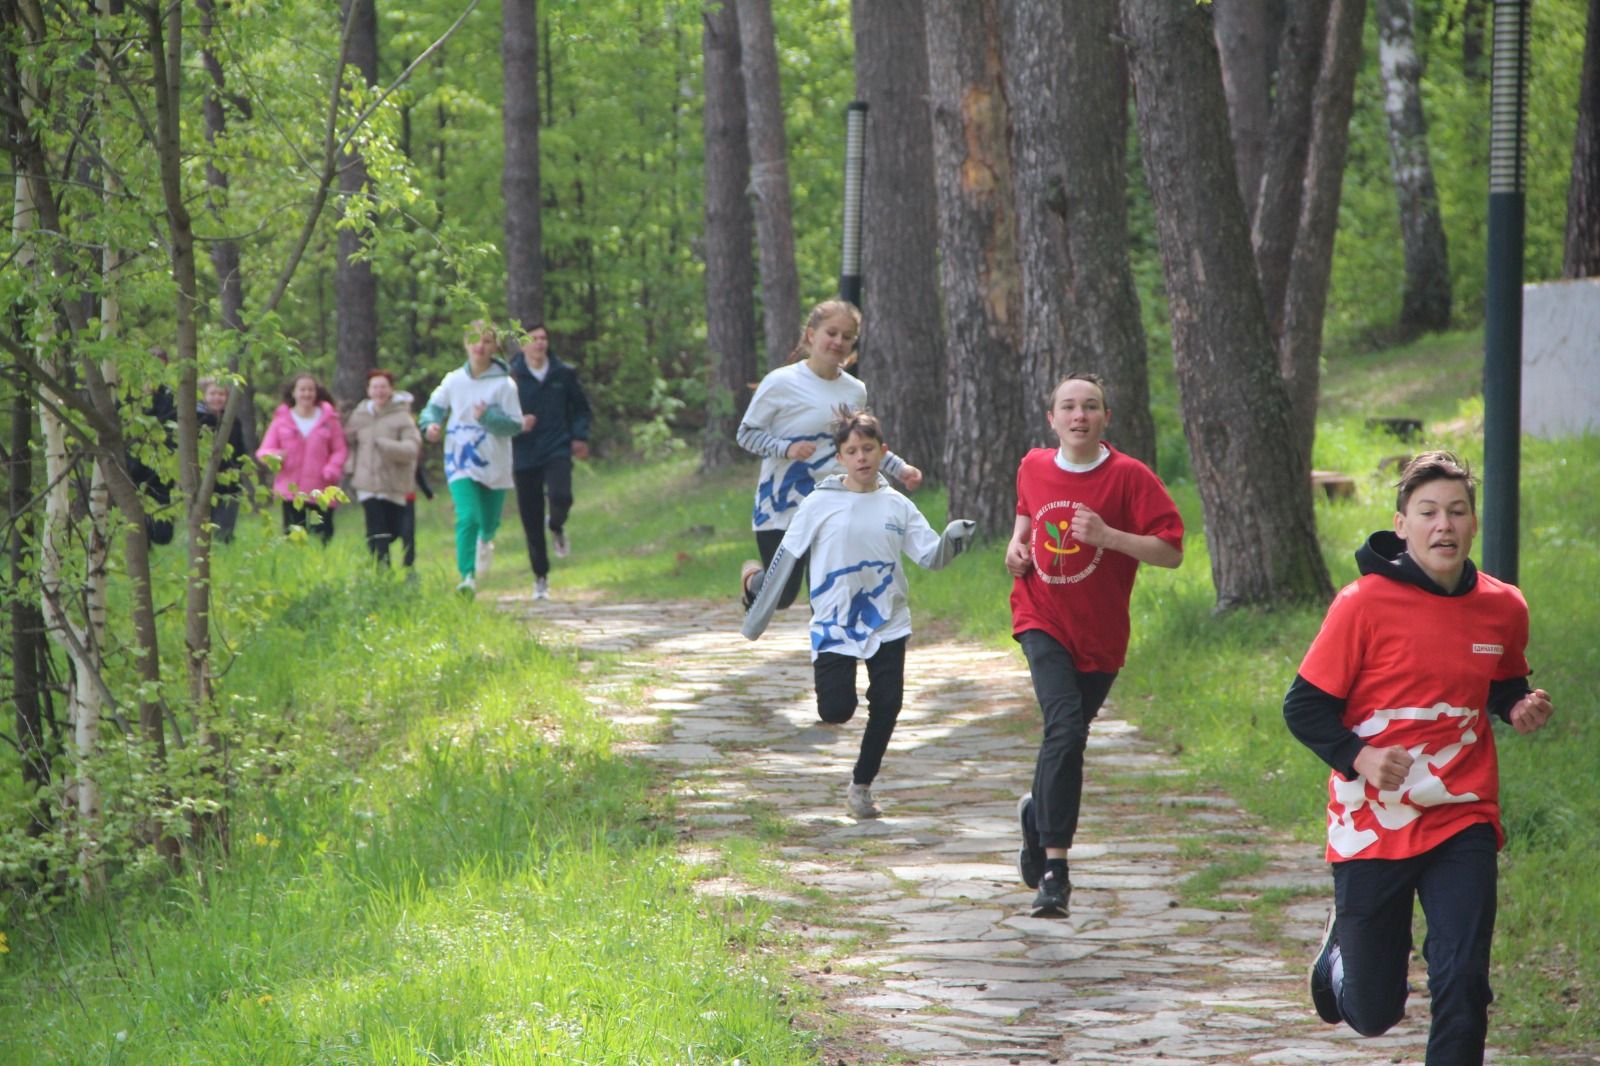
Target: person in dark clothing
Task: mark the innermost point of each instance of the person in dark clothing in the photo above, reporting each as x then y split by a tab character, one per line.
162	408
542	457
225	501
1396	695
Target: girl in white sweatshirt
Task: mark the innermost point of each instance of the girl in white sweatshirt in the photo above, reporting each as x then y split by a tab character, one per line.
855	528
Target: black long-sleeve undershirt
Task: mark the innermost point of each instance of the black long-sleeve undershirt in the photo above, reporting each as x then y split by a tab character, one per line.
1316	718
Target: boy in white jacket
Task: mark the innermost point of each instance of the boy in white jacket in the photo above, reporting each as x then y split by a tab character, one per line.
855	527
478	407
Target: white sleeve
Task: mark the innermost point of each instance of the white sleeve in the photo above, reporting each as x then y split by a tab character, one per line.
795	542
929	549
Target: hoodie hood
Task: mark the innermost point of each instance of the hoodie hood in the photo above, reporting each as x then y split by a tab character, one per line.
1385	554
835	483
497	369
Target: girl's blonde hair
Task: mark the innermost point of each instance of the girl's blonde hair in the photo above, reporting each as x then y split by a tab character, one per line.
824	310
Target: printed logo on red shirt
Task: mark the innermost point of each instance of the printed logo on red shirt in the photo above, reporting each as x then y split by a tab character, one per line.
1057	558
1488	649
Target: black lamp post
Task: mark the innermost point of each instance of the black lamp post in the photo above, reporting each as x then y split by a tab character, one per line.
1502	340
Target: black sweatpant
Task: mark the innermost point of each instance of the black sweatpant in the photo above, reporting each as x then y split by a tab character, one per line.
1456	882
767	541
317	520
836	699
1069	699
386	523
532	483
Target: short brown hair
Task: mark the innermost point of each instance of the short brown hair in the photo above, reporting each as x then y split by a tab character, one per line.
847	422
1077	375
1434	466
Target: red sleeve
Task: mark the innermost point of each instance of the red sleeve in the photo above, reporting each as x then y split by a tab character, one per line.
1155	513
1334	658
1514	660
1022	505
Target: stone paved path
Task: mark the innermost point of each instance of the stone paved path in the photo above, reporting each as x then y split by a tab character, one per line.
931	956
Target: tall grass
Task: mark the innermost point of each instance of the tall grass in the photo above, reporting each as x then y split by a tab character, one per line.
447	863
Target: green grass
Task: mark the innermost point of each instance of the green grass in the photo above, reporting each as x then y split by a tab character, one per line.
449	865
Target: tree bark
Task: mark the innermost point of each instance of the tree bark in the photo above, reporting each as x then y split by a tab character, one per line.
979	272
730	266
1067	87
1276	219
1255	487
355	285
1425	306
1247	33
902	346
519	55
1311	264
1582	255
225	260
27	620
769	179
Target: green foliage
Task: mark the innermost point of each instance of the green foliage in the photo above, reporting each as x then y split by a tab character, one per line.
437	858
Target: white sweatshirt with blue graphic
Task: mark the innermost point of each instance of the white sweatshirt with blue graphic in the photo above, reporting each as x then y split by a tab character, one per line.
794	404
858	587
476	448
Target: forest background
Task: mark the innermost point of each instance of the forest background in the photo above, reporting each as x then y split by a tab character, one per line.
217	189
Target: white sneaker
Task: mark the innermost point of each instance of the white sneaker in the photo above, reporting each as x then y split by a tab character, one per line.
485	557
559	543
859	800
468	586
541	588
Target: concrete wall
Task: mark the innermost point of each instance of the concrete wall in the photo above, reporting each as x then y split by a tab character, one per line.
1561	358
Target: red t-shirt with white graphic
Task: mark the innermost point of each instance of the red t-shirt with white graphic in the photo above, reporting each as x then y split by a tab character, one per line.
1077	593
1414	669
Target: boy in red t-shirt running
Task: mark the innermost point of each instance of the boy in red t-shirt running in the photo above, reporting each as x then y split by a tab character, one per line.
1395	695
1087	516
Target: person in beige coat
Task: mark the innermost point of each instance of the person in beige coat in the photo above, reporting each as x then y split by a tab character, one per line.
384	445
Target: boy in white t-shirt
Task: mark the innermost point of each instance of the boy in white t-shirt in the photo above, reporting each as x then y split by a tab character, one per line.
853	529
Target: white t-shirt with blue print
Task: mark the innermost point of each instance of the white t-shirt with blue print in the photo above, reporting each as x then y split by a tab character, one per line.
794	404
858	585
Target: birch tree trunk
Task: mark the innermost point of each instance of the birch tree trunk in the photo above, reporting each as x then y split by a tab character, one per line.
1255	487
730	266
519	184
1582	253
769	179
902	346
1425	305
979	272
1067	89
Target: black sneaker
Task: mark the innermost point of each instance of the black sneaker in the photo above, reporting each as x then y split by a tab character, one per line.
1323	996
1030	857
1054	891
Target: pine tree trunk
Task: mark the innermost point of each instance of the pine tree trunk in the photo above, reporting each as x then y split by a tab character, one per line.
902	343
979	272
1425	306
1582	258
1255	487
769	179
1276	219
519	55
355	285
730	266
1067	88
225	259
1247	34
1311	264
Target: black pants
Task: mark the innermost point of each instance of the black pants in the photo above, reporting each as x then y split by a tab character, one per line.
836	699
554	477
317	520
1456	883
408	532
1069	699
225	516
767	541
385	525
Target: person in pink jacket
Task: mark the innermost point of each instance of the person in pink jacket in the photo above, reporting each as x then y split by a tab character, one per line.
306	437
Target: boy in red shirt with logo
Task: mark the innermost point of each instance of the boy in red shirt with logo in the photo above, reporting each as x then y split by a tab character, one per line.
1087	516
1395	695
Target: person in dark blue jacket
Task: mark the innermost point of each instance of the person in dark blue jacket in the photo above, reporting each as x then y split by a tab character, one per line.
542	457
